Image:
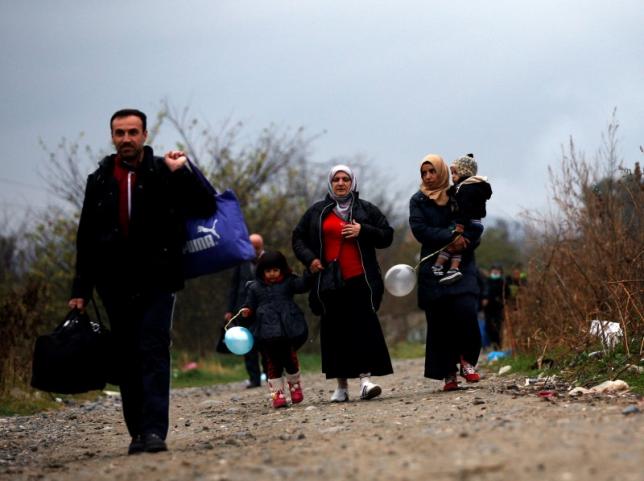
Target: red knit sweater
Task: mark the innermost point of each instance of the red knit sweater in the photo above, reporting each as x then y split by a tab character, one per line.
334	243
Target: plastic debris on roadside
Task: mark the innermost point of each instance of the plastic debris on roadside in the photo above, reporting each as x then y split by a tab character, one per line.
578	391
607	387
496	355
547	394
609	332
610	387
190	366
504	370
632	409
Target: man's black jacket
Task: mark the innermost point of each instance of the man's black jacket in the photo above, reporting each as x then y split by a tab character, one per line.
150	258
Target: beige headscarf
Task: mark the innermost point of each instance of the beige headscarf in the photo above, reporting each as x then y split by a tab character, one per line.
438	190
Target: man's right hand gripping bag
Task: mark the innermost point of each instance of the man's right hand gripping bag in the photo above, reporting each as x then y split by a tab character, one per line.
74	358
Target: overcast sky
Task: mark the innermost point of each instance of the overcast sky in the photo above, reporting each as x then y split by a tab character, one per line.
507	80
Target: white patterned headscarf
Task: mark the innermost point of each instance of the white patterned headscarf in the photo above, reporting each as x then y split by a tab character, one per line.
342	204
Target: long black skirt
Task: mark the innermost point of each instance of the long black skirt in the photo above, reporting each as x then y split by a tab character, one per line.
351	338
452	332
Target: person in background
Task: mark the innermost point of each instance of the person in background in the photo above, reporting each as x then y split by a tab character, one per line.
347	230
481	278
279	325
242	275
494	298
129	248
514	284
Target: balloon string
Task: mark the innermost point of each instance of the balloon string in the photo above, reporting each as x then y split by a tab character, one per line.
232	319
438	251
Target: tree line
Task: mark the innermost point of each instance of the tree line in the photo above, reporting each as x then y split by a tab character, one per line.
275	180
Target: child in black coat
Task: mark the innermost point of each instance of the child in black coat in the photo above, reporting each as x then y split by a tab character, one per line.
280	327
470	191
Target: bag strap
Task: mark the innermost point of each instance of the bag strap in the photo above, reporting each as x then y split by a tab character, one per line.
202	178
97	325
98	315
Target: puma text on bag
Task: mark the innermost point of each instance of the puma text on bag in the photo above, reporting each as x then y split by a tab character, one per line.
218	242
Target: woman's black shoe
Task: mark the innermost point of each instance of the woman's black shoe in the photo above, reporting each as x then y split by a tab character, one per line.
152	443
136	446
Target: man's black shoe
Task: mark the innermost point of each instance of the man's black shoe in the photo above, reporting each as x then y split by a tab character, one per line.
136	446
252	385
152	443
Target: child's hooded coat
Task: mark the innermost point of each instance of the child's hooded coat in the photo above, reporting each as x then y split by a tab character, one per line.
276	313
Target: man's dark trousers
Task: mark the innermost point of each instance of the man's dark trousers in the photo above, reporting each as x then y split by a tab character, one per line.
141	326
251	360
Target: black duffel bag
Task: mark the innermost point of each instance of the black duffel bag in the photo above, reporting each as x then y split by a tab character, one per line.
74	358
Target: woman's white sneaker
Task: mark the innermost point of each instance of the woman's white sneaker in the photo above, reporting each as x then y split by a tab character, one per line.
340	395
369	390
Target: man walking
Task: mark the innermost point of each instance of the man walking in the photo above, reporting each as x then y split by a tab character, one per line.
129	247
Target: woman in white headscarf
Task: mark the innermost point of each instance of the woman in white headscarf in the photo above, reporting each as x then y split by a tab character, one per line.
345	230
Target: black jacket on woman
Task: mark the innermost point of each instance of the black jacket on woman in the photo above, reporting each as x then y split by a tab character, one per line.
375	233
276	313
430	224
150	257
452	325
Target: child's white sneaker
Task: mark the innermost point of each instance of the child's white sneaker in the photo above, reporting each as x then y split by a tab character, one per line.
340	395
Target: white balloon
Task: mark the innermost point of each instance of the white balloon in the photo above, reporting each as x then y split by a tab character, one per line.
400	280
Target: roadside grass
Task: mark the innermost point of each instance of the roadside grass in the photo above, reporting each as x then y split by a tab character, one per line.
580	369
25	401
12	406
586	369
407	350
522	364
223	368
591	370
209	370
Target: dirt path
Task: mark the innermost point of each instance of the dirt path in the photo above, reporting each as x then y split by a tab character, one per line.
489	431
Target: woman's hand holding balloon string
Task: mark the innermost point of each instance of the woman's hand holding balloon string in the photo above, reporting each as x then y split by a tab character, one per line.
461	242
400	279
460	239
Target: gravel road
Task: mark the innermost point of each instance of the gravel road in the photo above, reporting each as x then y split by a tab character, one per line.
497	429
